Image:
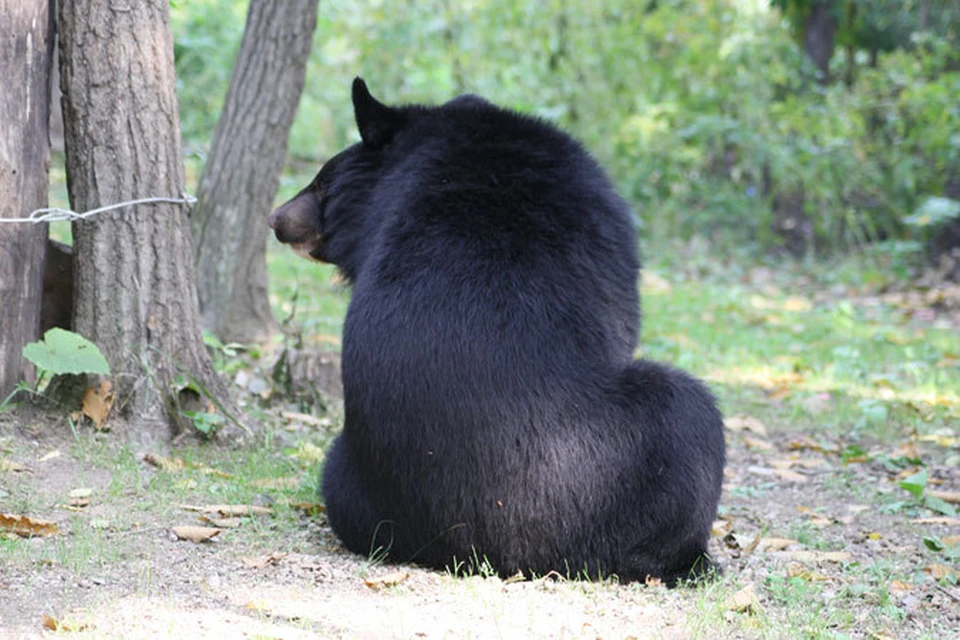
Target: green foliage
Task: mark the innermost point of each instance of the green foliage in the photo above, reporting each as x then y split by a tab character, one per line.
705	112
66	352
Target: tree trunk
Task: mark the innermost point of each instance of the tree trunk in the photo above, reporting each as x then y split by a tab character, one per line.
819	37
26	49
242	173
135	295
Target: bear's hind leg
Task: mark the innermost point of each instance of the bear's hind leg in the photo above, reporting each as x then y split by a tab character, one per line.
349	511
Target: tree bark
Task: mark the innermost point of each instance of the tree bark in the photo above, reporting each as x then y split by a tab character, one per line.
135	295
26	49
242	173
819	38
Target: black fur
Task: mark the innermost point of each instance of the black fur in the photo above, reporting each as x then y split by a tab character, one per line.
493	407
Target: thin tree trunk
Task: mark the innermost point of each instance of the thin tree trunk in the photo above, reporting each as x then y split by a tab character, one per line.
26	49
242	173
819	38
135	295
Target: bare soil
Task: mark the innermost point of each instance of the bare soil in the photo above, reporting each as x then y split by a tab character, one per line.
115	570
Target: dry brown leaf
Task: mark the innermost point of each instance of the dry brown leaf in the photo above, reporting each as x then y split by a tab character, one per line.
798	570
229	510
807	444
263	561
309	508
744	601
49	623
257	605
386	580
223	523
305	418
27	527
52	624
899	587
97	402
953	497
194	533
757	443
745	423
277	483
161	462
779	392
813	556
820	521
210	471
10	465
945	520
940	571
721	528
790	476
775	544
50	455
237	510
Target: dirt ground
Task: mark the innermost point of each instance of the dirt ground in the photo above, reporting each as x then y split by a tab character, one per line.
809	544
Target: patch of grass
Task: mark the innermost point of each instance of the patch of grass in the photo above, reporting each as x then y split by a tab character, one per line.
832	363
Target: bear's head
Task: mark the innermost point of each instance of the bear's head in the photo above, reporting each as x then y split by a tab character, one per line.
326	220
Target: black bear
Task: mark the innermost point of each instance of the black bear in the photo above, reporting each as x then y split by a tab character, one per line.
493	410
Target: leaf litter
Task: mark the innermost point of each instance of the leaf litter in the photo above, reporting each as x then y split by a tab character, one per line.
772	527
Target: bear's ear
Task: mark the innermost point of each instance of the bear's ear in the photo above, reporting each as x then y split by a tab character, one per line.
376	122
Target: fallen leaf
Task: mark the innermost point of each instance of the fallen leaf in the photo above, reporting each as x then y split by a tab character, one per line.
257	605
940	571
194	533
310	508
161	462
945	520
721	528
900	587
757	443
820	521
814	556
263	561
52	624
653	582
10	465
775	544
97	402
222	523
745	423
953	497
229	510
305	418
744	601
387	580
790	476
804	443
27	527
797	570
50	455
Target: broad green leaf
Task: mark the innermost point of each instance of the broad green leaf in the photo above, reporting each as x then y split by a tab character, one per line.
915	483
62	351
